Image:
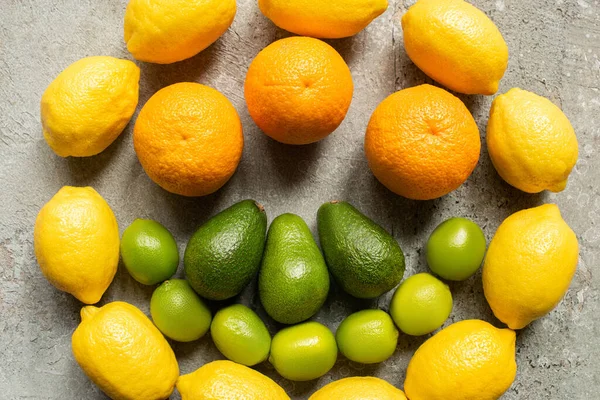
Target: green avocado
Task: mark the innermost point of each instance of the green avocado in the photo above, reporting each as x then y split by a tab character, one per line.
293	281
224	254
364	259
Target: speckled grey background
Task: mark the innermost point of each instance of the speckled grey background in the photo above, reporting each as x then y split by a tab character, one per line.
554	47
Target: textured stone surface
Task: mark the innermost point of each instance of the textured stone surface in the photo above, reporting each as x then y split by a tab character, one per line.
555	48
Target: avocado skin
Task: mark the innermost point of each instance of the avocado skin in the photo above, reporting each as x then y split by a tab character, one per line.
364	259
224	254
293	282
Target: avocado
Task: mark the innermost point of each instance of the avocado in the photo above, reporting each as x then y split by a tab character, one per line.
293	281
364	259
224	254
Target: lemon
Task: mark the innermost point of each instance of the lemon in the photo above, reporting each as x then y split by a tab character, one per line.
367	336
241	335
531	142
149	252
303	352
166	31
89	104
421	304
358	388
76	241
529	266
468	360
178	311
331	19
123	353
455	44
228	380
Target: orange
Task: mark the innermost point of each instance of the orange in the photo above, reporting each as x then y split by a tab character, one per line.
422	142
188	137
298	90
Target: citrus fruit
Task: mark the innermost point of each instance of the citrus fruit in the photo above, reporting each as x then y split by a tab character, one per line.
422	142
455	44
470	360
123	353
149	252
529	265
421	304
329	20
178	311
367	336
76	242
358	388
298	90
241	335
188	137
88	105
455	249
531	142
303	352
166	31
220	380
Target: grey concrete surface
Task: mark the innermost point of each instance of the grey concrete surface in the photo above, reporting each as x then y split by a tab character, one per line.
554	47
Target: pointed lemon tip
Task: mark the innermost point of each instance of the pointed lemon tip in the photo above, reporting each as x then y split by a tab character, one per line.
88	312
88	297
558	187
550	210
517	324
491	89
182	385
509	335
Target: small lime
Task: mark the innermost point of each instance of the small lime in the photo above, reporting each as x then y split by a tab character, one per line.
178	312
303	352
149	252
421	304
241	335
455	249
367	336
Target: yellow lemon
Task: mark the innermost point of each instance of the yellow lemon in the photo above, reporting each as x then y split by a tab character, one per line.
529	265
531	142
358	388
226	380
468	360
76	241
123	353
456	44
89	104
166	31
331	19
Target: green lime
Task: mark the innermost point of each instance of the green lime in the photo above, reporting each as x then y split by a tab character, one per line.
456	249
421	304
241	335
178	312
303	352
149	252
367	336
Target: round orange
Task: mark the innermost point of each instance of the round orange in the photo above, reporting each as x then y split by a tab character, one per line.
298	90
188	137
422	142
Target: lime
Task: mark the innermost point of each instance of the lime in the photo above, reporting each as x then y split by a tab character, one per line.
303	352
149	252
421	304
455	249
367	336
178	311
241	335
